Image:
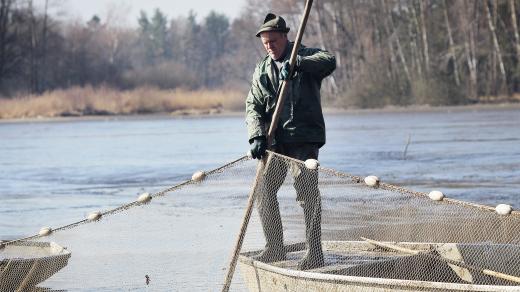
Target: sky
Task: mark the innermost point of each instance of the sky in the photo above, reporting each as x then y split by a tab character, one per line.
129	9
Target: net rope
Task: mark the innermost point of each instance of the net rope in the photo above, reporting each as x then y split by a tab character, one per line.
181	238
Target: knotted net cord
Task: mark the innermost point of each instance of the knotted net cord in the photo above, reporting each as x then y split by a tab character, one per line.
161	239
131	204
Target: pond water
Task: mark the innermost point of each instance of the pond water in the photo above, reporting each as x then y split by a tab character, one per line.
51	171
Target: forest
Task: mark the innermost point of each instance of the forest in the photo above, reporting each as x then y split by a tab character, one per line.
389	53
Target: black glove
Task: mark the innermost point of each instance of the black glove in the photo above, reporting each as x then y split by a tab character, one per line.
258	147
284	70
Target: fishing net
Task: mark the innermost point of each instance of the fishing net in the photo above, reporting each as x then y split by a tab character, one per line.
373	236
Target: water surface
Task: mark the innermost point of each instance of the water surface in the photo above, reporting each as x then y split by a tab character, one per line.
51	170
56	172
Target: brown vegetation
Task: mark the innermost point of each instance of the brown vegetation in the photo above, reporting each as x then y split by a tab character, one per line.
388	52
79	101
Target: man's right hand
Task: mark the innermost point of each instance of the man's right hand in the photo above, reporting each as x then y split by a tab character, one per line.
284	70
258	147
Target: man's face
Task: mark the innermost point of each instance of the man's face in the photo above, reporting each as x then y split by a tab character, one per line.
274	43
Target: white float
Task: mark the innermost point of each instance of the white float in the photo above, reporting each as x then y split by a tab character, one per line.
312	164
45	231
94	216
198	176
144	198
372	181
436	195
503	209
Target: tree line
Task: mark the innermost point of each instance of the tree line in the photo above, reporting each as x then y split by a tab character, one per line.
389	52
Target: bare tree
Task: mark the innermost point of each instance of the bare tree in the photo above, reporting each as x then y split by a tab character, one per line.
451	45
469	46
414	32
496	45
512	9
33	50
43	85
5	11
331	82
394	35
422	7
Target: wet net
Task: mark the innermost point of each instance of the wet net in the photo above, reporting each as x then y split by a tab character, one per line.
312	229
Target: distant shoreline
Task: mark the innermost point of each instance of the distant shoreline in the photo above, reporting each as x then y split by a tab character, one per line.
217	114
428	108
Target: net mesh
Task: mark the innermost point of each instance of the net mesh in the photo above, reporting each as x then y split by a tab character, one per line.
333	232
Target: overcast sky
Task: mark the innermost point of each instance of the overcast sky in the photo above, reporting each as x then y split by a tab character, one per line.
129	9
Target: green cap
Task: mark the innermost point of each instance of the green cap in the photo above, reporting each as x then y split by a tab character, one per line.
273	23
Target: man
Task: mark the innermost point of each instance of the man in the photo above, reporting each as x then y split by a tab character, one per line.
300	134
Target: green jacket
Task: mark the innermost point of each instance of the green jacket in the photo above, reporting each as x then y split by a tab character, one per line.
301	119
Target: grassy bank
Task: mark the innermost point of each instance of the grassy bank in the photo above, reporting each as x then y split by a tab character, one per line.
89	101
86	101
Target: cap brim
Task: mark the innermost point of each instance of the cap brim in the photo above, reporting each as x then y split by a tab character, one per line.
284	30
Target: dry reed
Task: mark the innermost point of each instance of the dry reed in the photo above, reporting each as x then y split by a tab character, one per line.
81	101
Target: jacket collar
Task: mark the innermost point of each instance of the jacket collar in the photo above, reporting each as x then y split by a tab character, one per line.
270	64
287	52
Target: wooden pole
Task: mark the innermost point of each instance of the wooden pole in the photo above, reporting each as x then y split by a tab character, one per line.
27	280
270	135
449	261
285	83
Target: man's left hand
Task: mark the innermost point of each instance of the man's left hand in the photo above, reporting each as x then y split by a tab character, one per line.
258	147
